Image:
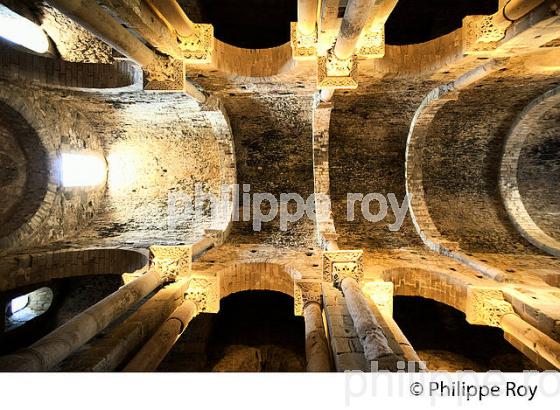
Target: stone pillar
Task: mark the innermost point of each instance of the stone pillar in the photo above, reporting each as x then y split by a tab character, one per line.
372	40
488	306
338	69
111	350
376	347
516	9
202	295
92	17
174	16
540	348
345	270
153	352
46	353
141	17
308	302
307	16
355	18
196	41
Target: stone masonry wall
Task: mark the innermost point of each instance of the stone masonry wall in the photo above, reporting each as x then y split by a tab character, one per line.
462	160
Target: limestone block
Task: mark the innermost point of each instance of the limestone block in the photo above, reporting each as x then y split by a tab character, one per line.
486	306
382	294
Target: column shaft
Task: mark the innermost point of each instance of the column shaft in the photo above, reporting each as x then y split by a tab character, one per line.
47	352
316	346
172	13
326	94
307	16
381	12
515	9
532	339
155	350
374	342
355	18
142	18
92	17
329	14
111	351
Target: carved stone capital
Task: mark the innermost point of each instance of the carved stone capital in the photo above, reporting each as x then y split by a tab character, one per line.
166	74
204	291
382	295
304	46
171	261
338	265
198	47
486	306
372	42
481	33
333	72
306	291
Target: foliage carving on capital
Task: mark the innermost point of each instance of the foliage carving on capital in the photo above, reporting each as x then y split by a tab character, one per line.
171	262
482	33
304	46
333	72
305	292
204	291
372	43
197	48
486	306
338	265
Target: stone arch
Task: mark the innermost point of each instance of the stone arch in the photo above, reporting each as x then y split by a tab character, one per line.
27	269
257	275
120	76
448	289
508	182
243	62
25	169
418	132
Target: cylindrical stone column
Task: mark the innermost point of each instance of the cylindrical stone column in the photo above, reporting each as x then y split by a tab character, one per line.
316	346
516	9
139	15
172	13
374	342
92	17
326	94
47	352
355	18
532	339
307	16
153	352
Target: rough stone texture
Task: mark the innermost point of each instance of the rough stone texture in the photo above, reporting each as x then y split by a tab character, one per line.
155	144
461	185
19	65
23	173
73	42
539	172
61	127
367	141
273	149
348	352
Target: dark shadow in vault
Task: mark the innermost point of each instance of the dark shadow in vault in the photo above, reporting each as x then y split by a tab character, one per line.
415	21
445	341
247	23
255	331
